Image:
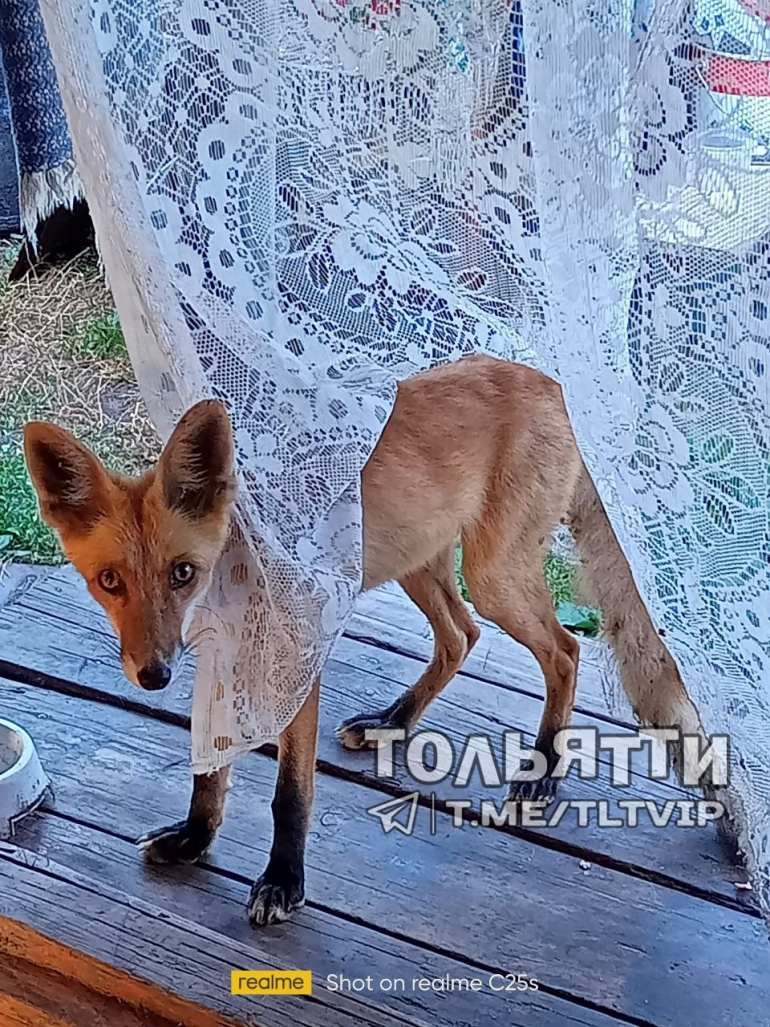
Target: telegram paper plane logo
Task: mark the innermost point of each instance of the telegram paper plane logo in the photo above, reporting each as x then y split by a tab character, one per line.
389	813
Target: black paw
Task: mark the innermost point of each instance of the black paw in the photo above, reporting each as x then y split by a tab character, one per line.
542	790
352	731
184	842
275	895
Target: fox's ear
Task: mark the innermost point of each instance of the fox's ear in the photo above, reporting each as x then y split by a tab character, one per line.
72	484
197	467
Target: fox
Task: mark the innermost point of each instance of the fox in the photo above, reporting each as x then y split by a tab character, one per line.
478	451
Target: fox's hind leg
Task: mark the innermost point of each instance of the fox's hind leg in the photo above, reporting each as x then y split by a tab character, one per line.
434	590
187	841
507	586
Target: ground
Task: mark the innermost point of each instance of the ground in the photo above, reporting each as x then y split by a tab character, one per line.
63	358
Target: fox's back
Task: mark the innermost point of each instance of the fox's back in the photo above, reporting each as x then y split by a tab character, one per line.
459	435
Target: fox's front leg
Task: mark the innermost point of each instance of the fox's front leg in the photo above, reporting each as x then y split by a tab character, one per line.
281	888
187	841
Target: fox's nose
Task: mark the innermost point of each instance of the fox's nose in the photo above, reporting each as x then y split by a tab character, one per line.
154	676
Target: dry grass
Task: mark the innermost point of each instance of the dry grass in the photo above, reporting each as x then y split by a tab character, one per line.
45	373
62	359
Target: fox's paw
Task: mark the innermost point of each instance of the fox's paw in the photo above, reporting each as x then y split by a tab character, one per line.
352	731
184	842
275	896
542	790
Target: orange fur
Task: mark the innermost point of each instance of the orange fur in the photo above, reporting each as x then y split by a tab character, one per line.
479	451
139	529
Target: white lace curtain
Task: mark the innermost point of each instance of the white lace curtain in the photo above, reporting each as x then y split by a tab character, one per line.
300	201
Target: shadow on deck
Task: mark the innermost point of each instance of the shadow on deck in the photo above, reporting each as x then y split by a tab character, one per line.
621	925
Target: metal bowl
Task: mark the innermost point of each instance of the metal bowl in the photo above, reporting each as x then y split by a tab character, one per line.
22	779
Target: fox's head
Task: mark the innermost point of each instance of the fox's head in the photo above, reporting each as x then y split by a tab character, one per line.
146	546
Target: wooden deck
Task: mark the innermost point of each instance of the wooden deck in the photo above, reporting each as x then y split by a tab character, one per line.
619	926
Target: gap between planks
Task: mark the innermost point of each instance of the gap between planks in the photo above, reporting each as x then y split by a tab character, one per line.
745	903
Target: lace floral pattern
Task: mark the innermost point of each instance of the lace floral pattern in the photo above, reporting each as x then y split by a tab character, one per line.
342	192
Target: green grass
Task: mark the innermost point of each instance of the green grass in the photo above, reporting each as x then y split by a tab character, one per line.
63	358
99	336
9	251
86	337
23	536
560	579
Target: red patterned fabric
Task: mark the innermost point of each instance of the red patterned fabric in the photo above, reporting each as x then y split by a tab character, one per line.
738	78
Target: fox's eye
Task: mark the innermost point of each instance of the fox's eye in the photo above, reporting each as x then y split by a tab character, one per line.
110	580
182	574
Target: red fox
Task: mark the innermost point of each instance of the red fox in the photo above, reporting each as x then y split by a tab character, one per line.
479	450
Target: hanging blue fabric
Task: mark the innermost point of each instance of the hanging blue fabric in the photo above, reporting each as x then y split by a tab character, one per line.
46	170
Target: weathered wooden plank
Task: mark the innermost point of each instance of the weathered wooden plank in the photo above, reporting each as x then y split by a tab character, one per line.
148	956
61	631
16	578
56	628
501	708
694	857
485	896
79	645
317	940
19	1013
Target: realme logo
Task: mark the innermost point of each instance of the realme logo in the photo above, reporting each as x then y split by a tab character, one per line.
271	982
